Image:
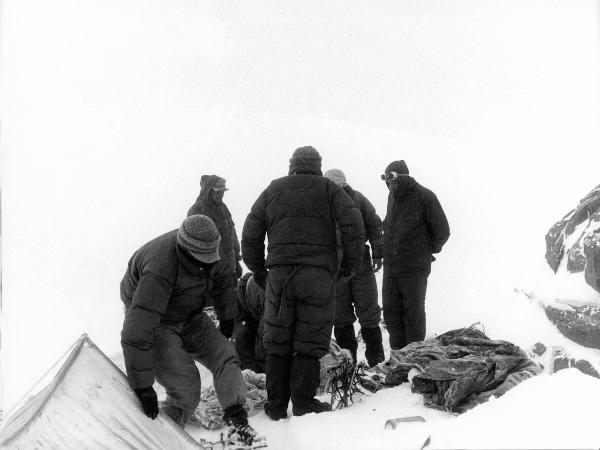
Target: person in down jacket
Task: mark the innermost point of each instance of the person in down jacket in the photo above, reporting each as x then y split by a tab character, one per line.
249	324
210	203
298	214
360	293
165	330
415	227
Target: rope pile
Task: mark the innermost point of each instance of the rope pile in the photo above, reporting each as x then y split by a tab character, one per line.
209	413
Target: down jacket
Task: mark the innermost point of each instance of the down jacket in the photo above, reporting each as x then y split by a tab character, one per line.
373	226
298	213
415	226
163	286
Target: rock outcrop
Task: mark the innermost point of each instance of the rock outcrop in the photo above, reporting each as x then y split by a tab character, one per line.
581	324
575	239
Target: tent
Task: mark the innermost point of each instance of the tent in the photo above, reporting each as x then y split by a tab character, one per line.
88	404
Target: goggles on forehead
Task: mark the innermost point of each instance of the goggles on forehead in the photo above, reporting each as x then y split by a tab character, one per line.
392	176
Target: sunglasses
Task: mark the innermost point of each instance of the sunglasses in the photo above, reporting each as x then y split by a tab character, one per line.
392	176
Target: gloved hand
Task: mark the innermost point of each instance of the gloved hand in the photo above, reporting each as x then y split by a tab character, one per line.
238	270
260	276
226	327
149	401
377	263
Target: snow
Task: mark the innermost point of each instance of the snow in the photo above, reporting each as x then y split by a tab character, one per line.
112	110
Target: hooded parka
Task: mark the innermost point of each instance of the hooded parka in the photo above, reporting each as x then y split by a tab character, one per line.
414	228
205	204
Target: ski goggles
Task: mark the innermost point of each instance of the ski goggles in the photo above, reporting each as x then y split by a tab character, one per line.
391	176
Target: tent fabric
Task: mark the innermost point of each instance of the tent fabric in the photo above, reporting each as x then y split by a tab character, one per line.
89	404
459	369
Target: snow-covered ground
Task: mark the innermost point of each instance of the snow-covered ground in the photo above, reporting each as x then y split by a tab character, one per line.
112	110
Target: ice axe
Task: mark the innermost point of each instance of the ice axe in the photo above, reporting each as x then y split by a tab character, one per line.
391	424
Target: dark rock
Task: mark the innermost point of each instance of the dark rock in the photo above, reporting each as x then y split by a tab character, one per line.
554	244
591	247
584	253
539	349
576	260
585	366
563	361
581	324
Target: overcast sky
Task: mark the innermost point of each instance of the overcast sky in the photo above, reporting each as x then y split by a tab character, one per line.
466	69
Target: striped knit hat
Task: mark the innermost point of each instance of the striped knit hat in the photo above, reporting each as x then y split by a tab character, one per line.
198	234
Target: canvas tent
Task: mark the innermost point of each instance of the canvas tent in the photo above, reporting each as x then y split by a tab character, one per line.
88	404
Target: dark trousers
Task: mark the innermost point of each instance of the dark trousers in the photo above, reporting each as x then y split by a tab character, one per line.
299	311
247	336
360	294
177	347
404	309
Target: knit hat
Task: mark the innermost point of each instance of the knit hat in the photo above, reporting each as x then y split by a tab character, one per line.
198	234
305	160
397	166
337	176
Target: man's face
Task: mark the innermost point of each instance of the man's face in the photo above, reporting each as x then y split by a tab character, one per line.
395	181
218	196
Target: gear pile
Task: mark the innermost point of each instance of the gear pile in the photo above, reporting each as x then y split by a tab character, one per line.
209	413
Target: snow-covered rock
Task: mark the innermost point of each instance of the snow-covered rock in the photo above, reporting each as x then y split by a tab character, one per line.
580	323
574	241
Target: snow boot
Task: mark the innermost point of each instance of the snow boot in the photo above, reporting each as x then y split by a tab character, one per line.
240	432
346	338
178	415
304	381
278	368
273	413
374	346
312	406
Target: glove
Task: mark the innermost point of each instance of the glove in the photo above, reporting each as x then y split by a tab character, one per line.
226	327
238	270
377	263
149	401
260	276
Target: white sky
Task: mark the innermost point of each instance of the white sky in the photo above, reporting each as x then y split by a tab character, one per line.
112	110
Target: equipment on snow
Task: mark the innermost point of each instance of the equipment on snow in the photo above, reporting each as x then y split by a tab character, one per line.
230	442
391	424
209	413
